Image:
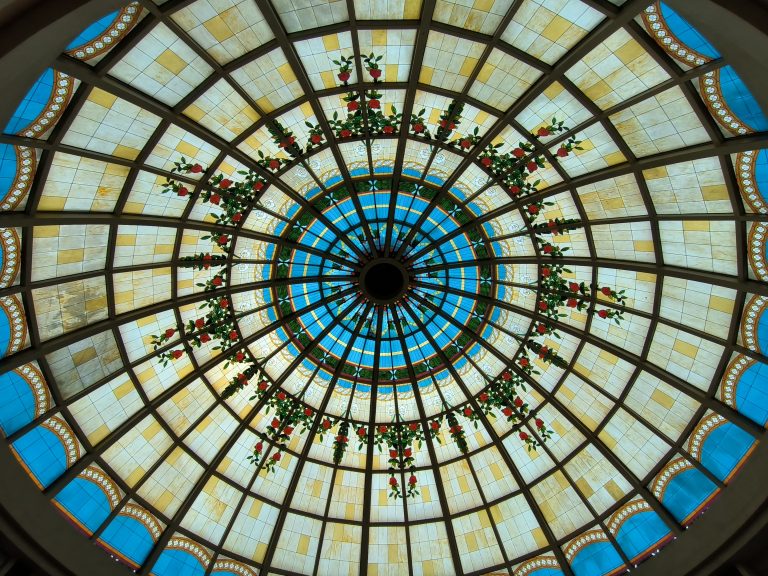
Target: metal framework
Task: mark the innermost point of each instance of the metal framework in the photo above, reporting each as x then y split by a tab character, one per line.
98	77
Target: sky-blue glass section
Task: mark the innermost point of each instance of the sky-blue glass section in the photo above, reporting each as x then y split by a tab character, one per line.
686	492
43	453
752	393
5	326
596	559
740	100
93	31
641	532
17	407
724	448
86	502
761	173
178	563
33	103
8	167
129	537
687	33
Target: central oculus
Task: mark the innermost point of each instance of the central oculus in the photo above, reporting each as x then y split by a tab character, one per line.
384	280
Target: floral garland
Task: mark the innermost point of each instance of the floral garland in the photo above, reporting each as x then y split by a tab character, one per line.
501	397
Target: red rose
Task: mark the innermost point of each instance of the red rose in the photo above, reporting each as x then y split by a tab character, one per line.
388	129
506	376
467	411
541	329
533	209
418	128
543	306
200	323
602	313
170	332
288	430
523	436
573	287
281	395
196	169
532	166
216	281
177	354
352	106
215	199
382	429
539	423
343	76
259	447
518	152
393	453
572	303
237	217
233	335
507	411
274	164
407	452
183	191
341	438
543	351
360	431
223	239
240	356
263	385
518	402
413	426
543	132
316	139
326	424
275	423
225	184
258	185
606	290
546	272
375	72
548	248
524	362
205	338
242	377
562	152
224	303
435	425
345	133
486	161
514	189
276	457
465	144
374	104
307	411
483	397
393	481
412	480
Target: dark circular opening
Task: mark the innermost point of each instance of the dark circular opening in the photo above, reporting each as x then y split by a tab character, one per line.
384	281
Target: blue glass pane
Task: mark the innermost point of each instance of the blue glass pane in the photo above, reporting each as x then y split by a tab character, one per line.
740	100
8	168
686	492
752	393
596	559
33	104
761	173
5	326
17	407
93	31
724	448
178	563
43	454
86	502
641	533
129	538
687	33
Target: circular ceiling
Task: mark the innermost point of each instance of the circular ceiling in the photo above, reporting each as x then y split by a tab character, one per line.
377	278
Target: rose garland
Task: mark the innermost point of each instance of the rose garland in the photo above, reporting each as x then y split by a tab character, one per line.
512	169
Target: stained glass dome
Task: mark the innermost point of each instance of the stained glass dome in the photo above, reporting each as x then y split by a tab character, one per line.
384	276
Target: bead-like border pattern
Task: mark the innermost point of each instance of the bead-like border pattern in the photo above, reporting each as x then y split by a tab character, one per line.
109	38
